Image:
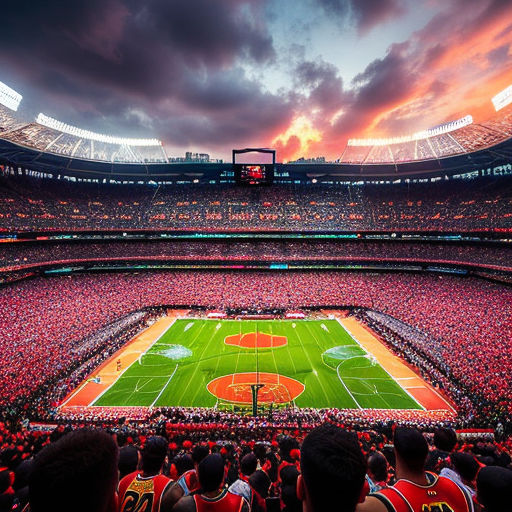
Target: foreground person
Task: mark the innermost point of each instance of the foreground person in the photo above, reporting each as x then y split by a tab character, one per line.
333	470
141	490
78	473
416	490
213	495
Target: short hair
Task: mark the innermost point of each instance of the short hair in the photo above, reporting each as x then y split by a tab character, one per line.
378	466
445	439
153	454
183	464
199	453
128	460
494	488
411	447
260	482
211	472
465	464
78	472
248	464
332	465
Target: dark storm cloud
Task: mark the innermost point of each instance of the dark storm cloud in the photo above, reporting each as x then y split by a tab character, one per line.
384	83
364	13
161	57
322	83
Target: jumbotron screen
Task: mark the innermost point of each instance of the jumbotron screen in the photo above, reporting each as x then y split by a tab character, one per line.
254	166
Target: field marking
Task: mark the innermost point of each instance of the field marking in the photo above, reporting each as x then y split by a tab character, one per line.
309	359
380	364
233	375
337	368
162	390
273	354
206	345
433	400
86	393
346	387
129	366
295	372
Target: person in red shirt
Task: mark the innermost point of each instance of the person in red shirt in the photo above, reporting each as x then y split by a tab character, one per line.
187	484
213	495
416	490
142	490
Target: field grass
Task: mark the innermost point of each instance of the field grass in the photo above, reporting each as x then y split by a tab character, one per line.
321	354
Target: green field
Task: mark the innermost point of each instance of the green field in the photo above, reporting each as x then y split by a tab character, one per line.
321	354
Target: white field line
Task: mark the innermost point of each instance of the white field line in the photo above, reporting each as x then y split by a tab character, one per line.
391	376
121	374
346	388
162	390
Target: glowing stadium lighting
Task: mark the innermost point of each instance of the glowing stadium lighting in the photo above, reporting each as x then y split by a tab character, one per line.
503	98
424	134
86	134
9	97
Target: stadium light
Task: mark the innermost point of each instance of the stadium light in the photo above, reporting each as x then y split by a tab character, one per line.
424	134
86	134
503	98
9	97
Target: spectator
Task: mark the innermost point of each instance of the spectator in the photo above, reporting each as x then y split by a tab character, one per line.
128	460
377	472
78	472
187	484
415	489
332	470
494	486
142	489
213	496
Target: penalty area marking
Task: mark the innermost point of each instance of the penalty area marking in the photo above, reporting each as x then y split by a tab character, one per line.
428	398
379	361
88	392
138	359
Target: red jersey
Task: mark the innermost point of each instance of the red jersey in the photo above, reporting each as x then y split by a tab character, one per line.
439	495
224	502
140	494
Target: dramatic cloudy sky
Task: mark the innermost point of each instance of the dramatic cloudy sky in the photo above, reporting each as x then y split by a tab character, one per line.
299	75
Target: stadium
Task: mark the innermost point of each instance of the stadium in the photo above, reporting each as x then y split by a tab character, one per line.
247	301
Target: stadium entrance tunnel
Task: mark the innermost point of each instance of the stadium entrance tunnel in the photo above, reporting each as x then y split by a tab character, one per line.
256	340
236	388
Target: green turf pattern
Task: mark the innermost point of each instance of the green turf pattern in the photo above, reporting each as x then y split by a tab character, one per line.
321	354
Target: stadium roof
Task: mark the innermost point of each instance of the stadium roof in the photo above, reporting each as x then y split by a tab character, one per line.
19	156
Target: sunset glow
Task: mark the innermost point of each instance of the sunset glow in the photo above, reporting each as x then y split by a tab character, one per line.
301	76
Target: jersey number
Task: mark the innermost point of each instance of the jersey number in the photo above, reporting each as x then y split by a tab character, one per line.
135	502
437	507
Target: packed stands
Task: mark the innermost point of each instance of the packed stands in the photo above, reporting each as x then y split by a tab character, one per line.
51	136
472	314
454	138
44	204
24	254
462	138
264	455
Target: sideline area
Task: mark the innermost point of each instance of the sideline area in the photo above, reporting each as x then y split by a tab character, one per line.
425	394
89	391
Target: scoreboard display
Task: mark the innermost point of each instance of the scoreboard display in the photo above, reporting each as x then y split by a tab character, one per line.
254	166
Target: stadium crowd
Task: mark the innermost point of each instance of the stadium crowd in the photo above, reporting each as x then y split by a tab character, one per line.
26	253
467	322
122	465
47	204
